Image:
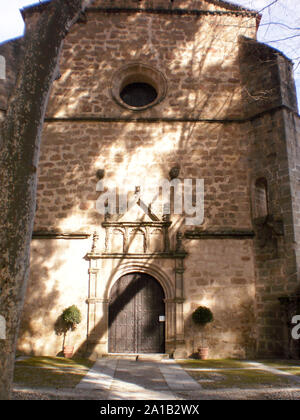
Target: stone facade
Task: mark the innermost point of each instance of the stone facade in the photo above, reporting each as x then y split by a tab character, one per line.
225	112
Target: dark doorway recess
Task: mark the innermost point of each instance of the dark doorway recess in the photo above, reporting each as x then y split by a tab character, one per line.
135	314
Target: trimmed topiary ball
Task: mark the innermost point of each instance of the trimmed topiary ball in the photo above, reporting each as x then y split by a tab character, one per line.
71	315
202	315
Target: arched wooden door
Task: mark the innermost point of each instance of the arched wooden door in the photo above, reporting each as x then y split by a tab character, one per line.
136	313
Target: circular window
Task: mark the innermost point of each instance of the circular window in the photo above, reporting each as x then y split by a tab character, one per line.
138	87
138	94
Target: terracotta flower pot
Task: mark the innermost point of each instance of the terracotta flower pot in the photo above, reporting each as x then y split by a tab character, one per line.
203	353
68	351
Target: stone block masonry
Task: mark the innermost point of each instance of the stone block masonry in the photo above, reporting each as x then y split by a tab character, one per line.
225	112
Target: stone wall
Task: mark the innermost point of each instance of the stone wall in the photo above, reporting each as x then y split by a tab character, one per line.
225	116
219	274
57	281
198	56
270	104
267	78
292	130
171	5
274	240
73	151
59	278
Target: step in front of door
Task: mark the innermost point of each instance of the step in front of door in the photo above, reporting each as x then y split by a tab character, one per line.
138	356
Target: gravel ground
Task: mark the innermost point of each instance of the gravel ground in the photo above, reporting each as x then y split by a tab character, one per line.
290	391
224	394
244	394
20	393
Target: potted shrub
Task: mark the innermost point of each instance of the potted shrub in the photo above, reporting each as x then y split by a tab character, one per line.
71	317
202	316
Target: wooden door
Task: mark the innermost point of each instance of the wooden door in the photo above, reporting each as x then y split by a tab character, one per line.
136	303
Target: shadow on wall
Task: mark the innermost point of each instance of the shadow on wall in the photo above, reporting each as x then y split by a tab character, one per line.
100	330
232	333
41	298
195	86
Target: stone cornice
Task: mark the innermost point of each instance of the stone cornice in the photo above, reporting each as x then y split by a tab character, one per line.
126	256
172	120
219	234
189	234
230	8
169	11
153	224
96	300
59	235
175	300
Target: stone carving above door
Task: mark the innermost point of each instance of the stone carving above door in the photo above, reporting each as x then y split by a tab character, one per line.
136	237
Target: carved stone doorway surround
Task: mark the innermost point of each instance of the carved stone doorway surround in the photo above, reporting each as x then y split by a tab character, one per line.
146	261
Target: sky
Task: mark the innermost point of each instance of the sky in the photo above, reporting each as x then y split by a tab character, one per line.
280	25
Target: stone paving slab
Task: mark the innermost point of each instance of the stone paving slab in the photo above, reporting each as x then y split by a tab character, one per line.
139	393
138	379
176	377
100	376
140	373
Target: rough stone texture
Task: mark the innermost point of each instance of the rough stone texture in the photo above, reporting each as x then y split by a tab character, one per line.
229	117
11	51
199	60
207	5
73	151
213	284
276	267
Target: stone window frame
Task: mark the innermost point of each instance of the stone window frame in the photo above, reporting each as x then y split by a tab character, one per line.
260	183
138	73
2	68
